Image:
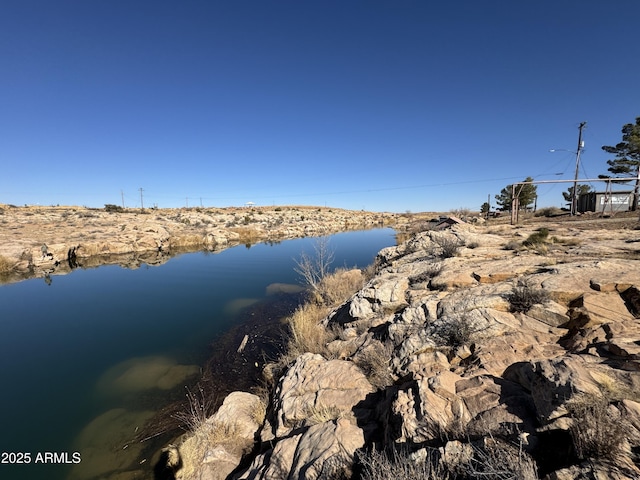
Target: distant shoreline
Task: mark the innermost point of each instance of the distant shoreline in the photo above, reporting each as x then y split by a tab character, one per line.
38	242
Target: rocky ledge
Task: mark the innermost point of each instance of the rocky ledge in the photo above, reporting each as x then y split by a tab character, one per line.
40	241
477	352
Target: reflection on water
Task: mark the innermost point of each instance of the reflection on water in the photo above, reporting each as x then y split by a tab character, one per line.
89	357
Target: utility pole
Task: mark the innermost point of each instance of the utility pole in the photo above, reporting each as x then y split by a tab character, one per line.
574	194
141	202
514	205
122	195
488	205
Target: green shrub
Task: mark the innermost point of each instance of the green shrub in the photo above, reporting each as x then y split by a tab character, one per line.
109	207
537	238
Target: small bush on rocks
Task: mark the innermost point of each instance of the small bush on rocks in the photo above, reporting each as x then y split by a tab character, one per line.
449	245
537	238
5	265
400	465
599	430
433	270
455	332
374	362
525	296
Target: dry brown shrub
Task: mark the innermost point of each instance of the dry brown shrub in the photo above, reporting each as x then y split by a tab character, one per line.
455	331
399	464
525	295
5	265
374	362
599	430
449	245
499	460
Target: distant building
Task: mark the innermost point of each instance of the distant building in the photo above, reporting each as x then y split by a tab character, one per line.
605	202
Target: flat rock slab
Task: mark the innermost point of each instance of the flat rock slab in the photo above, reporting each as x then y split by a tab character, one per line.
566	282
507	268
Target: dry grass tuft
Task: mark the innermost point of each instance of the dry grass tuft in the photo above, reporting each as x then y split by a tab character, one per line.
307	333
339	286
193	449
567	242
199	408
259	412
497	459
5	265
321	414
400	465
488	458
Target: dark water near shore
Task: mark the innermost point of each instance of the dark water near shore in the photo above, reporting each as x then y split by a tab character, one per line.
86	360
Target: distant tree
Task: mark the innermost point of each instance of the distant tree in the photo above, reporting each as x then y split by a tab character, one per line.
485	207
109	207
526	195
582	190
627	161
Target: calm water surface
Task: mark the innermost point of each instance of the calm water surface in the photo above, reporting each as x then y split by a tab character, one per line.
86	359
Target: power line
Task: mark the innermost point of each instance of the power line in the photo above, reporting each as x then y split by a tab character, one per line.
345	192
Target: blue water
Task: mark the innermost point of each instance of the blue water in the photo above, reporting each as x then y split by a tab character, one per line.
58	340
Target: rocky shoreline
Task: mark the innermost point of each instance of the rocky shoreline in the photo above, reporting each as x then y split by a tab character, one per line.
472	352
43	241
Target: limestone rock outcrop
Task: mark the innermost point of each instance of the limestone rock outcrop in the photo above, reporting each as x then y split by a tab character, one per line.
313	388
528	354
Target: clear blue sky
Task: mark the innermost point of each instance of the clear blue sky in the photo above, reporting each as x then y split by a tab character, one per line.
377	105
